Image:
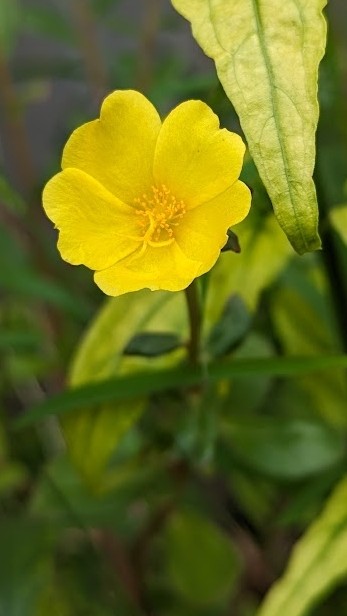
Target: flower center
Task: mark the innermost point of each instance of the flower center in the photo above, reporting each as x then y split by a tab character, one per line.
158	213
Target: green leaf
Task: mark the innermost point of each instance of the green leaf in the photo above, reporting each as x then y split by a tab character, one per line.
267	56
203	564
152	344
231	327
24	565
317	564
304	324
19	339
64	499
247	394
249	273
285	448
28	283
100	355
146	382
338	219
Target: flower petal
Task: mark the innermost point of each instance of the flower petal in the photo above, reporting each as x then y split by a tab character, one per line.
94	225
202	232
194	157
165	268
118	149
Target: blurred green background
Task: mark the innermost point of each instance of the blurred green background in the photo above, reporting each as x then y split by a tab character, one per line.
173	505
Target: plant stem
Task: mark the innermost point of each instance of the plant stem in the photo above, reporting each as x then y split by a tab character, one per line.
194	313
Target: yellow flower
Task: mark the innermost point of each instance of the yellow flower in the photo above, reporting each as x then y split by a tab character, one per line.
145	203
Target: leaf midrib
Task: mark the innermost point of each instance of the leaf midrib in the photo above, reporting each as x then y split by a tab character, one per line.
273	99
274	105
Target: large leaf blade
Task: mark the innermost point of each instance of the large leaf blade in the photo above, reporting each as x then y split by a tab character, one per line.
267	55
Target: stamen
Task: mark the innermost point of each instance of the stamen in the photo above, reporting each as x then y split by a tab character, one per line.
158	212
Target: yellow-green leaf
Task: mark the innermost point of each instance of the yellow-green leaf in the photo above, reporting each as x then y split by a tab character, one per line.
267	54
317	564
92	434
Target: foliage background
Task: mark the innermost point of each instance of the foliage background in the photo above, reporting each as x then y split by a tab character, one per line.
176	503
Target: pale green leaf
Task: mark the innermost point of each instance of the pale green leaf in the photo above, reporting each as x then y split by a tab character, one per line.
338	219
267	54
98	431
317	564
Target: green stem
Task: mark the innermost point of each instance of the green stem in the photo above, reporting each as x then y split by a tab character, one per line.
194	313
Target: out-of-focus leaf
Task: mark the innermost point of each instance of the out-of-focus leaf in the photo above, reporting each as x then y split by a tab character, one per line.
145	382
285	448
304	324
152	344
231	327
101	349
202	563
249	273
12	473
317	565
24	565
26	282
19	339
63	498
338	219
12	476
246	394
10	22
100	355
255	45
